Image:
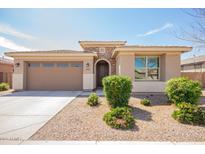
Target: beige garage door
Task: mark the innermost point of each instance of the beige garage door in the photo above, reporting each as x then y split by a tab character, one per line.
54	76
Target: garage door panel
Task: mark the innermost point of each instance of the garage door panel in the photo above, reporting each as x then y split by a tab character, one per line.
55	78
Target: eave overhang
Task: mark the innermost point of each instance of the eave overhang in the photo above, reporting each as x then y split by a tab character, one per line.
146	49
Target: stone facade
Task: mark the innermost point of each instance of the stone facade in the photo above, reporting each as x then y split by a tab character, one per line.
104	55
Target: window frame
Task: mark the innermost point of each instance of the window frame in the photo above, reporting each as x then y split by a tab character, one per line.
76	65
34	66
44	66
146	68
61	65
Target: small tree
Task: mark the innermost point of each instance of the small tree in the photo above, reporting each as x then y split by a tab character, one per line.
117	90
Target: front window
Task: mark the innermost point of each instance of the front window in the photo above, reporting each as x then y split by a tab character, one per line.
147	68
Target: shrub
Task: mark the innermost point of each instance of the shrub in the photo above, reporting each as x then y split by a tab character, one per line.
4	86
120	117
93	99
189	114
183	90
145	102
117	90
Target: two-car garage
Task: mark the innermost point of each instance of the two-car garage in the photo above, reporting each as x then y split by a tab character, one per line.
66	75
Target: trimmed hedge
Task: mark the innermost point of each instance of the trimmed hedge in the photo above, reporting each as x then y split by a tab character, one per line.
4	86
93	99
183	90
189	114
119	118
117	90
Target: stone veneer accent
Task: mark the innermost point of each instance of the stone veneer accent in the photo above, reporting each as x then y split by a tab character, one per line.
107	55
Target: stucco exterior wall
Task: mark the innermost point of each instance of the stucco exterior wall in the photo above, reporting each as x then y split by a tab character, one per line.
126	65
19	76
169	68
172	66
88	75
148	86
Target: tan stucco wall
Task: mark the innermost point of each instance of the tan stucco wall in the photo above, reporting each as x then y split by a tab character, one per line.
149	86
169	68
19	75
88	75
125	65
172	66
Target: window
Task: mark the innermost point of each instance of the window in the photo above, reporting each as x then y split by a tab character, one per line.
63	65
76	65
34	64
48	65
147	68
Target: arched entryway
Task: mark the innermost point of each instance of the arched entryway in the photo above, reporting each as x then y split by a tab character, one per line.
102	70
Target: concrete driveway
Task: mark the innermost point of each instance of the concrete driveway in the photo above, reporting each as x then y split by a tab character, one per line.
23	113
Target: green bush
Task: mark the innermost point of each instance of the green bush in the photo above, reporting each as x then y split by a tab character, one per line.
93	99
4	86
183	90
117	90
145	102
119	118
189	114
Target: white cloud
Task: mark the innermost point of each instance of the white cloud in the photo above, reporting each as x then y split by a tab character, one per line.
11	45
157	30
6	29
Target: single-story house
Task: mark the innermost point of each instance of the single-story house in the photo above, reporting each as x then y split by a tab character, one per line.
149	67
6	70
194	64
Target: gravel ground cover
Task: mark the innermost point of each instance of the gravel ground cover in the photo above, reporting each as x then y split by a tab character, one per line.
78	121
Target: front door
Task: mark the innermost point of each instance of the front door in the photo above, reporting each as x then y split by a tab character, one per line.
102	71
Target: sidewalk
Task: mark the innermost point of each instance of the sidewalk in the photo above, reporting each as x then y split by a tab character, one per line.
29	142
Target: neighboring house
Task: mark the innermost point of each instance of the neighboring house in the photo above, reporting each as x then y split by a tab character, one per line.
149	67
6	70
195	64
194	68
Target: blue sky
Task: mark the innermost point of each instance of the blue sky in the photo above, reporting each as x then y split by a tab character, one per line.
45	29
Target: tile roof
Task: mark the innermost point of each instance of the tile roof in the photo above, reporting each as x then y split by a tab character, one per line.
52	51
103	42
154	46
